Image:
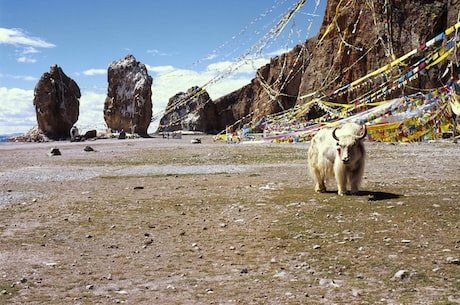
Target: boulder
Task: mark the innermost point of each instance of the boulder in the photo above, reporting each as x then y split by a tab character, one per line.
186	111
90	134
128	105
57	103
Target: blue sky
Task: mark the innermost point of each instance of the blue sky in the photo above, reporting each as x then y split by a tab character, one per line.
183	43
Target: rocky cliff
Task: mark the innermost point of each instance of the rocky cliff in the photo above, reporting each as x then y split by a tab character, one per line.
128	105
57	103
355	38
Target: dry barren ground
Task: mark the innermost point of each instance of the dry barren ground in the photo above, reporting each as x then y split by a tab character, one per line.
156	221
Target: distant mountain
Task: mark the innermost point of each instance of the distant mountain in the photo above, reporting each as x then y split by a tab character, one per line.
5	137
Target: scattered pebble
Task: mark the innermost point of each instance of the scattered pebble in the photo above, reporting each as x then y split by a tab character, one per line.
355	293
280	274
328	282
121	292
451	260
88	148
54	152
401	274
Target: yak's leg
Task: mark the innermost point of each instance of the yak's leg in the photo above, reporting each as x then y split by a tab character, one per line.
320	186
355	179
341	179
354	185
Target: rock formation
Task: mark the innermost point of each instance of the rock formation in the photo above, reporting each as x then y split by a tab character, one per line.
57	103
186	111
362	37
128	105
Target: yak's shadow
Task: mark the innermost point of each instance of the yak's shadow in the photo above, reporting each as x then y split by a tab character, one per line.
377	196
373	196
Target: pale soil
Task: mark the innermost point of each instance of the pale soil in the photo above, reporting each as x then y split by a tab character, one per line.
157	221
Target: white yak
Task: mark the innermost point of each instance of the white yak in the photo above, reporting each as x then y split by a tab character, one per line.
339	153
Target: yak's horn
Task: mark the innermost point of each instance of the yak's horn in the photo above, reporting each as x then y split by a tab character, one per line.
364	133
334	135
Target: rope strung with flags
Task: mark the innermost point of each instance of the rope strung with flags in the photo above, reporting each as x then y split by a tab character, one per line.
409	118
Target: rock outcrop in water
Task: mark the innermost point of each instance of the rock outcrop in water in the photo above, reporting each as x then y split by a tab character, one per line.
128	105
57	103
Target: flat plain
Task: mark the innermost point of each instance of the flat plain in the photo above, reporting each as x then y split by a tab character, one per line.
164	221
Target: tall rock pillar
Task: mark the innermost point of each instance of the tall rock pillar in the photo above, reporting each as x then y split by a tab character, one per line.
57	103
128	105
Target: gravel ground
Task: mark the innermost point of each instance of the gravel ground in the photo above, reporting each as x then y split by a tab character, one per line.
157	221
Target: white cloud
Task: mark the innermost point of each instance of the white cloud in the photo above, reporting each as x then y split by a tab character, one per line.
247	66
155	52
21	40
91	72
91	112
26	59
17	113
30	50
220	78
25	77
18	37
160	69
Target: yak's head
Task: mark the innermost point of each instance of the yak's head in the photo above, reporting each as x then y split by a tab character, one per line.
349	144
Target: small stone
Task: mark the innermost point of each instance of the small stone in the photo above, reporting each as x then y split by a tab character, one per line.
280	274
4	292
325	282
122	292
54	152
451	260
88	148
401	274
89	287
356	293
316	247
